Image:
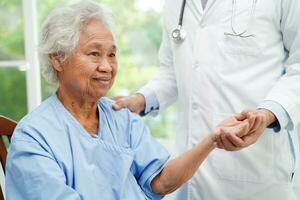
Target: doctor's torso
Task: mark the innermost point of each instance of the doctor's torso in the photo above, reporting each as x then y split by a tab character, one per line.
218	75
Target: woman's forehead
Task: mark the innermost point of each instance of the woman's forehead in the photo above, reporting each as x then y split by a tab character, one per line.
96	34
101	45
95	26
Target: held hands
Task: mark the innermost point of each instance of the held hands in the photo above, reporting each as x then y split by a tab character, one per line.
242	130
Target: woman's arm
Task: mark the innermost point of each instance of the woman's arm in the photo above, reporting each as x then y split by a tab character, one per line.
181	169
32	173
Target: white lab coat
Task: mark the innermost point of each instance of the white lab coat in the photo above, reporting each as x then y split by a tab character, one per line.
214	76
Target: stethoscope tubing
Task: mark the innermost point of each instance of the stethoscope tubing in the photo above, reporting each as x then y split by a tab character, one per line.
181	13
179	30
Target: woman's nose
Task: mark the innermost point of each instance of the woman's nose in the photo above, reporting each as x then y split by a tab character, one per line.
105	66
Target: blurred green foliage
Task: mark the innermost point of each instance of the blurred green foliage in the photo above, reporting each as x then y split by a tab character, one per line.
138	37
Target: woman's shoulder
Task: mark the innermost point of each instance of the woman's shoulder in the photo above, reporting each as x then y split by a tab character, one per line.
106	105
123	123
124	114
43	118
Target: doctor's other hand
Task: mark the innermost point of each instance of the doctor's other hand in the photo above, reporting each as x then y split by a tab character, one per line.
235	138
135	103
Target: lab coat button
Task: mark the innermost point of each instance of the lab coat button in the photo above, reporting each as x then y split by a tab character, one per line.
195	65
195	106
202	25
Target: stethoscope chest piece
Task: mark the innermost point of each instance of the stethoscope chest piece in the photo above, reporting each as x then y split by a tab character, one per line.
178	35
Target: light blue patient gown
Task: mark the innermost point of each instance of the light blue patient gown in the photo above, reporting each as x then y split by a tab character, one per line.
53	157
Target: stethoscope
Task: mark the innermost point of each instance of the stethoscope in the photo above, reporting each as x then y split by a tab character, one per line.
242	34
179	34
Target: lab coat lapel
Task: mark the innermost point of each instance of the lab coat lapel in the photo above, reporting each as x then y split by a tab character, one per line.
197	4
209	4
196	8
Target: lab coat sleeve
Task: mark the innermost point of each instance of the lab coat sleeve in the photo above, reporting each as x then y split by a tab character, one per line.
32	173
164	84
151	103
286	91
283	119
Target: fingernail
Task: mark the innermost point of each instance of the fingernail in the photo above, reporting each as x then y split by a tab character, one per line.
215	144
115	106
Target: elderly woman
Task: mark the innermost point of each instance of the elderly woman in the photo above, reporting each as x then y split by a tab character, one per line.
74	145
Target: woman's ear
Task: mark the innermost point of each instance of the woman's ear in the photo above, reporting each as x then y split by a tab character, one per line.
56	60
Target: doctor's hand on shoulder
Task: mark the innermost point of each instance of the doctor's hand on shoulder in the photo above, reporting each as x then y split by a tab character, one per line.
135	103
232	138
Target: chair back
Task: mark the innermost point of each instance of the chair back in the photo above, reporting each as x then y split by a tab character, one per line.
7	127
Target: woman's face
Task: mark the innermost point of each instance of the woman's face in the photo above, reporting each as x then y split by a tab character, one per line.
90	70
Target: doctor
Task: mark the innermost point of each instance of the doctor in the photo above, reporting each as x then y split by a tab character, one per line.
218	58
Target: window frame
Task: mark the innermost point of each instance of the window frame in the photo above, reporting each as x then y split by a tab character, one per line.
31	64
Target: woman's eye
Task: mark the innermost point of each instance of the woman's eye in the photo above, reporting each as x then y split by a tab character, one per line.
112	55
94	53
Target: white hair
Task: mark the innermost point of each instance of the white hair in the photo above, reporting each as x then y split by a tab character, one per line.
61	32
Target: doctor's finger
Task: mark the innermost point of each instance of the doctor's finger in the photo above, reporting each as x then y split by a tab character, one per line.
228	145
127	102
244	114
251	120
247	111
237	141
217	139
250	139
121	103
240	129
116	98
258	122
240	116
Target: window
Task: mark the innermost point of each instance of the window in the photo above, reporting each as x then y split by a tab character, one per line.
13	85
